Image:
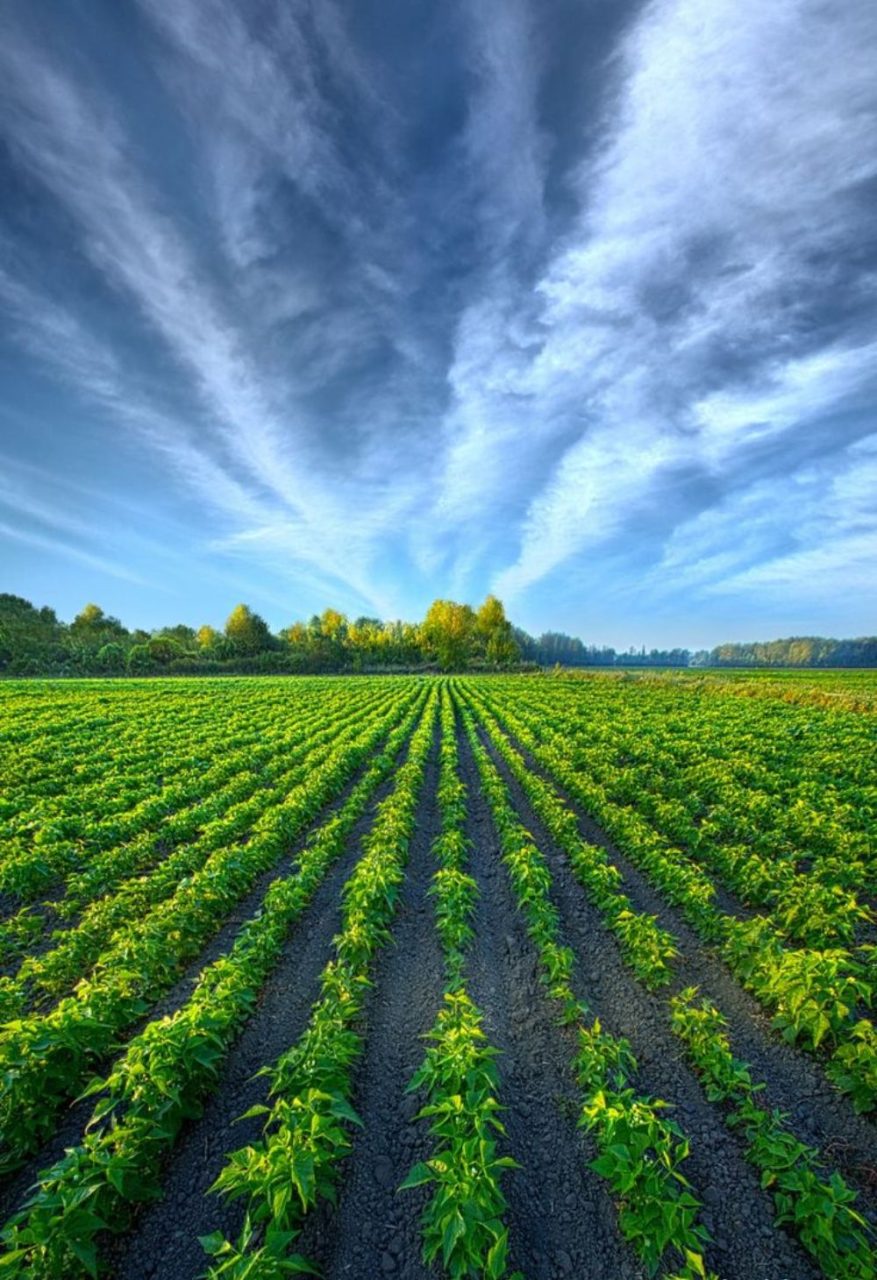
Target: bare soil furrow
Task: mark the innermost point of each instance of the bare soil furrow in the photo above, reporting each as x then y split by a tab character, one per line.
738	1213
794	1081
562	1221
163	1241
375	1230
73	1120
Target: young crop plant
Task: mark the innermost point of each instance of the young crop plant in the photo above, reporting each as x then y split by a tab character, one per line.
51	974
817	1205
641	1151
816	996
462	1224
166	1071
307	1127
647	948
46	1058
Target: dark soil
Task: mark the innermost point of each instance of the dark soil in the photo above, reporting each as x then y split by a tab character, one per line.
561	1218
794	1081
163	1241
562	1221
72	1121
738	1213
375	1229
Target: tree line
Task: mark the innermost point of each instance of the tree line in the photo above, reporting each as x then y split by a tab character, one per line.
451	637
798	651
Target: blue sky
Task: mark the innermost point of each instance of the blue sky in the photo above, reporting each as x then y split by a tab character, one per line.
310	303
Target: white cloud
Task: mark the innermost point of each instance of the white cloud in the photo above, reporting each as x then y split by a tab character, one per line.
679	321
702	308
808	536
248	460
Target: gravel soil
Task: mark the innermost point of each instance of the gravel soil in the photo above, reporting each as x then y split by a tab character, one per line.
738	1213
795	1082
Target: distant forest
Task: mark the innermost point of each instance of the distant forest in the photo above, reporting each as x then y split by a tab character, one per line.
452	637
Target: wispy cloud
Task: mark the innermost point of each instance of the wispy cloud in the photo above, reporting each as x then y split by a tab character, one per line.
680	318
809	535
57	546
70	140
389	319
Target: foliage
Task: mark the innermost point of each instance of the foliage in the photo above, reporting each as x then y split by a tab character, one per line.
818	1205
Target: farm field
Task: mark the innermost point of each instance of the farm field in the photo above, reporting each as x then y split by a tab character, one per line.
439	976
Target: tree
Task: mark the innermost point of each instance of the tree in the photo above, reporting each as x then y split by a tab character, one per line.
246	631
495	633
163	649
139	660
92	623
181	633
333	624
111	656
31	639
207	637
449	632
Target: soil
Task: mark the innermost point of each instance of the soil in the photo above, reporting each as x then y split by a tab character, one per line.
738	1213
562	1221
71	1123
561	1218
186	1211
375	1229
794	1081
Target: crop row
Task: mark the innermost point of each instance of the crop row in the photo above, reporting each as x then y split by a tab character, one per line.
645	946
307	1127
167	1070
463	1221
785	849
815	995
44	1058
106	921
825	1217
120	758
70	845
816	1204
641	1151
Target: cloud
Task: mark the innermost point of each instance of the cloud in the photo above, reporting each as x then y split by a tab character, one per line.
68	551
251	459
380	299
680	321
809	535
503	160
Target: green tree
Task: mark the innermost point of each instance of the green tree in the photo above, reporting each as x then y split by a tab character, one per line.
495	634
139	660
246	631
163	649
208	637
449	633
92	622
184	636
111	656
31	639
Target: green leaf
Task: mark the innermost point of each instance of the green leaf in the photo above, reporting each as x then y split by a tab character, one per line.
420	1174
258	1110
214	1243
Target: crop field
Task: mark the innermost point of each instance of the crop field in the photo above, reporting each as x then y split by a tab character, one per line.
468	976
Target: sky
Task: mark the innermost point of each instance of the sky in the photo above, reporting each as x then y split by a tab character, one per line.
310	303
